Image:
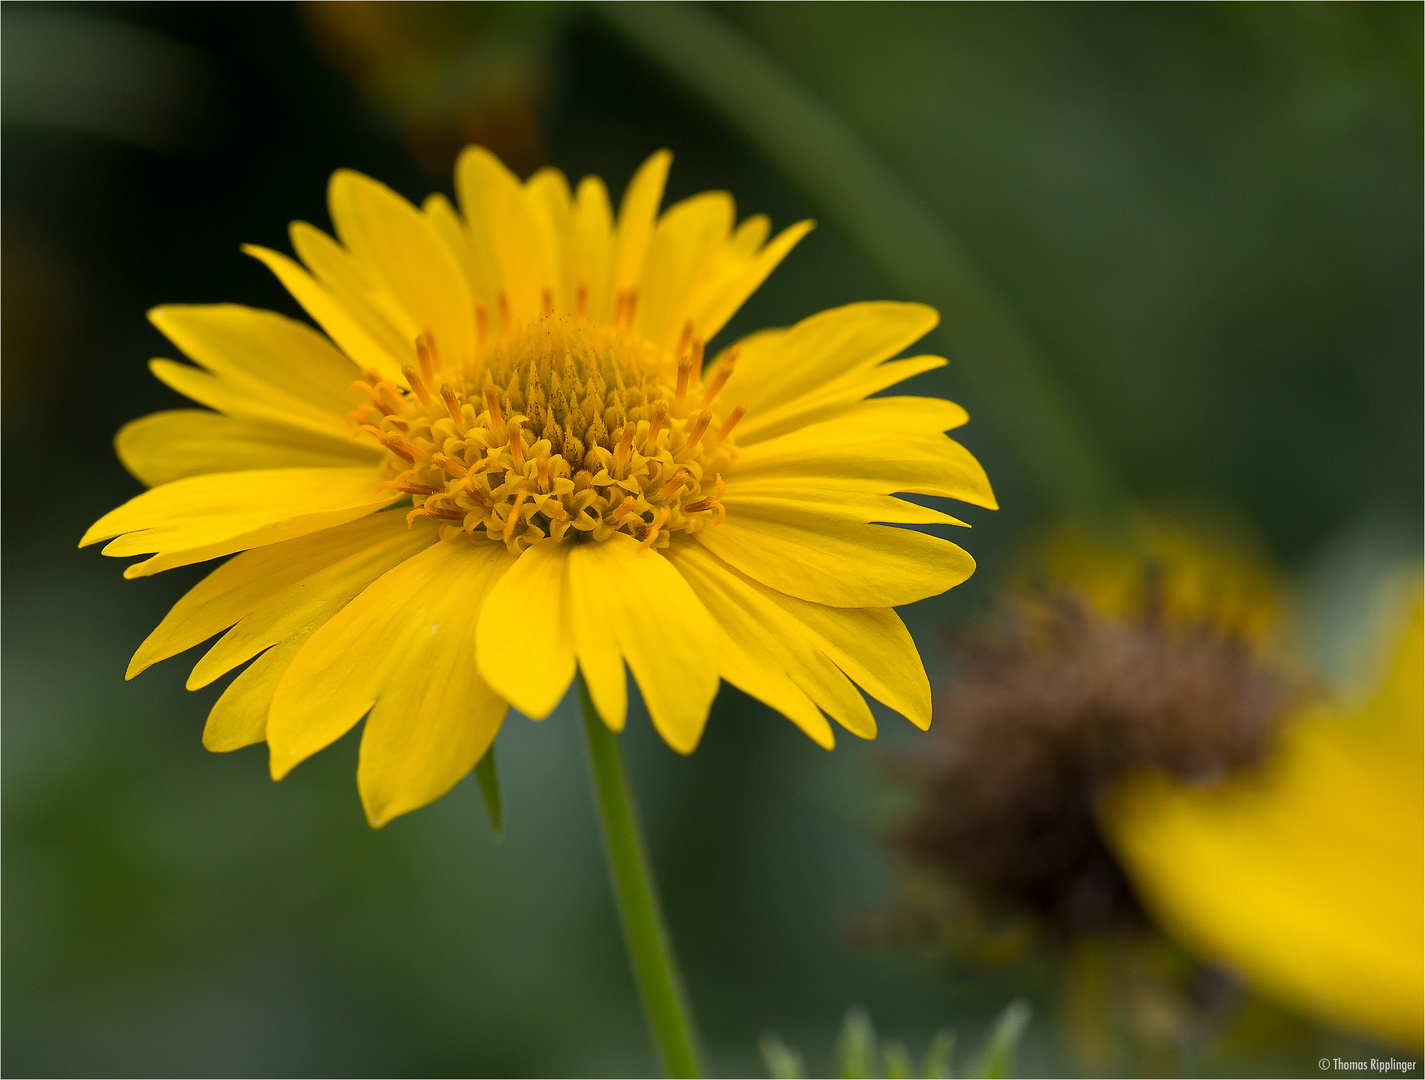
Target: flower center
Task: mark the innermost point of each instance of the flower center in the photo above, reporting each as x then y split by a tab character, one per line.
562	428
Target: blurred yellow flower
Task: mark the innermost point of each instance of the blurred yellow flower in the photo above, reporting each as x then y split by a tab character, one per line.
583	492
1307	876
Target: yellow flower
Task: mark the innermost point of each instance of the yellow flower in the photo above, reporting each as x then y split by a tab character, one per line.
1309	876
584	493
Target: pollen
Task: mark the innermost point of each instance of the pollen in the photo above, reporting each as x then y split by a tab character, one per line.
562	428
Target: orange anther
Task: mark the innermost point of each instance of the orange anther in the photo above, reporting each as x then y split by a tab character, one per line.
476	494
409	488
443	513
482	322
546	302
450	465
625	443
492	405
720	376
624	509
391	395
502	301
514	516
731	422
399	444
429	357
375	397
660	413
708	502
514	429
699	425
649	533
452	405
679	479
685	369
684	338
413	380
581	300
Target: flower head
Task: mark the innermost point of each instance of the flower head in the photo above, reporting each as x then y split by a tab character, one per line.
507	460
1147	652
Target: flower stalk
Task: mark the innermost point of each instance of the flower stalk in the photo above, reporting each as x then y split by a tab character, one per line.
650	950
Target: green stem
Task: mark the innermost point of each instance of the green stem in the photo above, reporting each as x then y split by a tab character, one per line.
649	947
907	240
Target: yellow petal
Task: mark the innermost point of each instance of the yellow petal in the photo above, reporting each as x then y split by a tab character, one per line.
525	649
596	646
434	717
836	397
304	605
854	566
869	448
167	446
594	225
685	242
636	215
636	601
778	367
753	671
264	353
482	277
780	499
364	298
551	208
239	718
202	517
770	629
247	581
711	307
341	325
399	247
413	622
494	203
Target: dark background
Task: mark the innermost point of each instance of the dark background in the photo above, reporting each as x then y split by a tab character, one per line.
1208	216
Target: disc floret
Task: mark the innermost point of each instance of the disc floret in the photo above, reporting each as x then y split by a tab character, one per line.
564	429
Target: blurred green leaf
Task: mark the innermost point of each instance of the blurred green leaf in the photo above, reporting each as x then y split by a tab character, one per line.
783	1062
489	780
936	1065
856	1046
897	1060
996	1059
